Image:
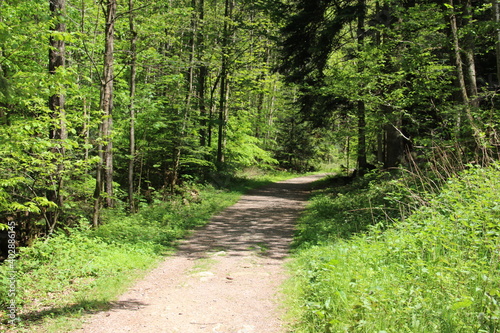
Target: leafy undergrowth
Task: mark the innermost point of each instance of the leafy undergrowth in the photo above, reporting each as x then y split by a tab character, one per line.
343	207
436	271
81	270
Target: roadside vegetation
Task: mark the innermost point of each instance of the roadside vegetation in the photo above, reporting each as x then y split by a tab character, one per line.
373	256
79	269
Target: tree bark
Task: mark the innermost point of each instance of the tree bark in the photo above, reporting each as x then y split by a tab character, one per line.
470	61
202	74
394	142
190	91
362	162
459	69
479	140
58	132
223	85
104	176
107	99
132	90
496	19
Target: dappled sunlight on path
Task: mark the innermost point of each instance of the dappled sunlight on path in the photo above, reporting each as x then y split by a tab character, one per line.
224	278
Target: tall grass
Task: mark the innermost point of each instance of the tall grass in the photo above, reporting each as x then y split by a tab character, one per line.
436	271
344	208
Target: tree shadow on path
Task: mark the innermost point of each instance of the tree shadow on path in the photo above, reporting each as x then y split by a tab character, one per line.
262	220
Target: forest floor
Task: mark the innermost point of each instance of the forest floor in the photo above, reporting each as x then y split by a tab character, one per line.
225	278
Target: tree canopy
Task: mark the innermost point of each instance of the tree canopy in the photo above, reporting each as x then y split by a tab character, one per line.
103	103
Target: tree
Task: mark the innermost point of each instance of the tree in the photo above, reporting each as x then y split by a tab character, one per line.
58	132
312	32
132	91
360	35
104	176
226	34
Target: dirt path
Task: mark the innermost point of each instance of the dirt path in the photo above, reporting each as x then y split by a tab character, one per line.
224	279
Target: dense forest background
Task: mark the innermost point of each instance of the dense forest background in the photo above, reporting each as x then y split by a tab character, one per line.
118	103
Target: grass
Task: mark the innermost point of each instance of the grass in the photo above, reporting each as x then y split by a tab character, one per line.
436	270
342	207
80	270
202	265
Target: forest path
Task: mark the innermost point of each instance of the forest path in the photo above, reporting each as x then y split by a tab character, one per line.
224	278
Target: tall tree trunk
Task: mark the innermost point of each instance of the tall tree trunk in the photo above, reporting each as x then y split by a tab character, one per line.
496	18
58	132
270	115
468	48
392	152
212	110
202	74
189	96
223	85
362	162
394	142
380	146
132	89
107	100
104	177
460	71
98	183
261	118
467	105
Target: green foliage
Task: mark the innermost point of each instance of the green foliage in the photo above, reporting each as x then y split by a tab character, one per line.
295	146
244	150
395	61
157	225
438	271
73	265
346	208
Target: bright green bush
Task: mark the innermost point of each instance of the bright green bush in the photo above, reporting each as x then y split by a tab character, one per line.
161	223
61	266
439	271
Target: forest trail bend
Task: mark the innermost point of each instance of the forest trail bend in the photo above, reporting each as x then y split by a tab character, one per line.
224	278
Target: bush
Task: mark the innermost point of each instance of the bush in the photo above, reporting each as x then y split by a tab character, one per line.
56	270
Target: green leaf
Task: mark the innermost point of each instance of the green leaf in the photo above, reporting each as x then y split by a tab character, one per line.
462	304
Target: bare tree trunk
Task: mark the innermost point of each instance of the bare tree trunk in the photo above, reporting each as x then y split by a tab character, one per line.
496	7
202	74
479	140
380	146
270	115
459	69
104	175
394	142
132	89
189	96
86	132
98	184
469	57
58	132
107	100
212	111
223	85
362	162
202	77
348	156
